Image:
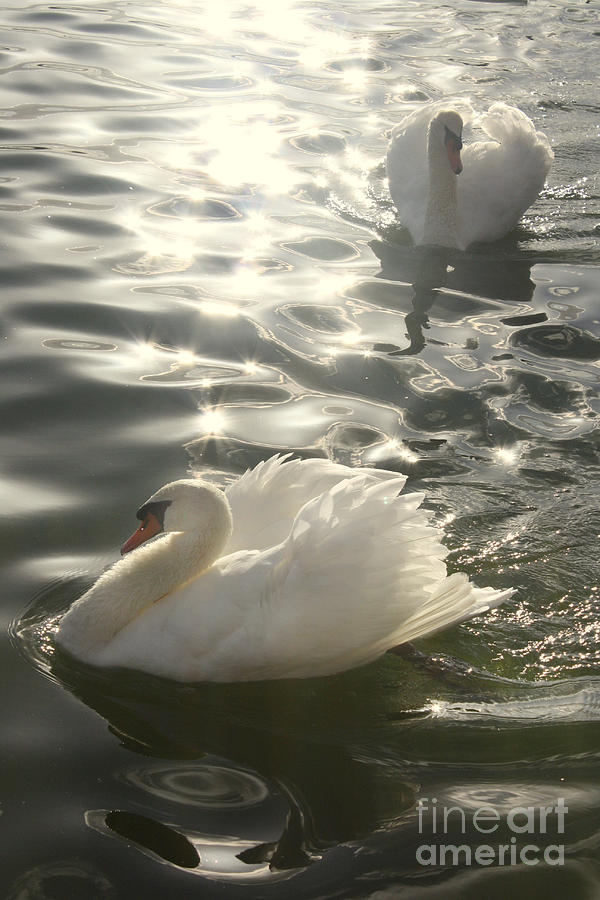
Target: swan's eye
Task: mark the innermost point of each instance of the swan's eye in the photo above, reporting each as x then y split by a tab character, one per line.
454	139
152	515
151	523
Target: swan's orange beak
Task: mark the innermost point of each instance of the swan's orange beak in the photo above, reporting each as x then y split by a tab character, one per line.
149	527
454	156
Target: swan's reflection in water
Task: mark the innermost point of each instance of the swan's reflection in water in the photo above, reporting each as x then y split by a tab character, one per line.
496	274
433	269
240	781
252	783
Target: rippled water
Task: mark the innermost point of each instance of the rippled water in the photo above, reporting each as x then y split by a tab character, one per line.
201	266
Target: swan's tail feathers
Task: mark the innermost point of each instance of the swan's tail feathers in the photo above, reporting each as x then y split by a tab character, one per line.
453	601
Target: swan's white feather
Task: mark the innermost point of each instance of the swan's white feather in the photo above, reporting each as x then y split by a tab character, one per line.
501	179
360	570
281	486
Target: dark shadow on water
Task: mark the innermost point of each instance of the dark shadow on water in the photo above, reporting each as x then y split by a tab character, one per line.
495	272
297	738
325	762
432	270
267	728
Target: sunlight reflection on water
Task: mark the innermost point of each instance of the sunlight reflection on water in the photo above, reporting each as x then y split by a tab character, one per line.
203	267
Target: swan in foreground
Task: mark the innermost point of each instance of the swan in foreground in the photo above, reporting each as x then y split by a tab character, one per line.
502	177
299	568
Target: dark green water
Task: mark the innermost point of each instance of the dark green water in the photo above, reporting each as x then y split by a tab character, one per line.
201	267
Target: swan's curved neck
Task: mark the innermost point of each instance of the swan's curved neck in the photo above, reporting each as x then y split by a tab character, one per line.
441	225
135	582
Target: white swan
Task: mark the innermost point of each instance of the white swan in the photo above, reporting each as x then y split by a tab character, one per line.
502	177
299	568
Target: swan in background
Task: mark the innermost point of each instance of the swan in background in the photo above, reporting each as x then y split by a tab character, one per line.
502	177
299	568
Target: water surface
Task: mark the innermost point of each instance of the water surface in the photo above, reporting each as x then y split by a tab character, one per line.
201	267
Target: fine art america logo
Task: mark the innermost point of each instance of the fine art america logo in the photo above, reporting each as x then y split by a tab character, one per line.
515	836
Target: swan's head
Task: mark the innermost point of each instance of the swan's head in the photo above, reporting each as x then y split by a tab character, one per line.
189	505
445	130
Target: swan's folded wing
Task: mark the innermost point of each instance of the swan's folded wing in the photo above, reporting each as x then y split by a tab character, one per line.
358	563
407	171
266	499
501	177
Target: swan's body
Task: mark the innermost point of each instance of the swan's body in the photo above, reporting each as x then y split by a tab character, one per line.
299	568
502	177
